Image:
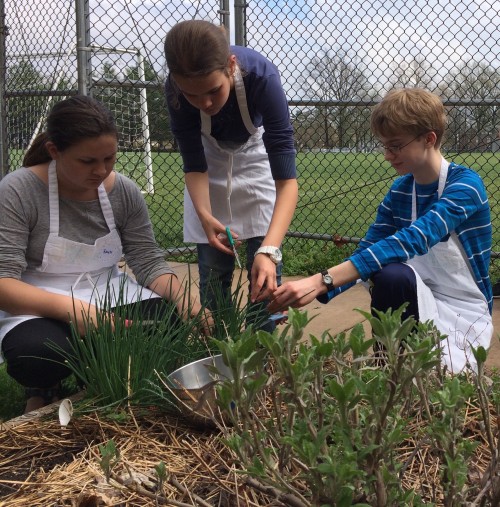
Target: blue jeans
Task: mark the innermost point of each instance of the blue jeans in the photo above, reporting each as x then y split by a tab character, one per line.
216	273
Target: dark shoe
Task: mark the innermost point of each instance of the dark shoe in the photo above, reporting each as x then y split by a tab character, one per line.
496	290
38	397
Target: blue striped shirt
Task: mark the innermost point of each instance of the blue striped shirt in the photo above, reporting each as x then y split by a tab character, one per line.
463	208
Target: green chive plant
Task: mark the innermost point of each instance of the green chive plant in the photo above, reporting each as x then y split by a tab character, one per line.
233	313
127	358
117	358
322	420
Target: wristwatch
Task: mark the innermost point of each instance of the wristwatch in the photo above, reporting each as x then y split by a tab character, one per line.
272	252
327	280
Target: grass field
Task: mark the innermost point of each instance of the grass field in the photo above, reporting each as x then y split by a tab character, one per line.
339	194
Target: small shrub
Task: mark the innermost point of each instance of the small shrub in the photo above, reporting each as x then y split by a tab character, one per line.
323	420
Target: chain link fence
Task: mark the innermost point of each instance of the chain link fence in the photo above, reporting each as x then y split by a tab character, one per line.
336	61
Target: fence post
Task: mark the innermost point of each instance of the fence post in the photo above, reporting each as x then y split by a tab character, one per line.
83	45
240	22
224	15
4	153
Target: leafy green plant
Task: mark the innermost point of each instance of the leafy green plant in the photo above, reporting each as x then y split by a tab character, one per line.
162	474
110	455
322	420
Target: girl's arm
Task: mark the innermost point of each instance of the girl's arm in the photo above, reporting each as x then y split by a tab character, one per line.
263	269
20	298
301	292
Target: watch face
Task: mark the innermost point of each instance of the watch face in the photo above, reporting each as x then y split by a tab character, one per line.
277	256
327	279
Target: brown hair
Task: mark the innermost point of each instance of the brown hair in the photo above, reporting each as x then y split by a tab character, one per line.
69	122
410	110
196	48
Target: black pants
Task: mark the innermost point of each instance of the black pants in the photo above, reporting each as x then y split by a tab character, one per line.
33	363
394	285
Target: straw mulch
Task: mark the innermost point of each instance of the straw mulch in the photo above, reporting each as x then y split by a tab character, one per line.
44	464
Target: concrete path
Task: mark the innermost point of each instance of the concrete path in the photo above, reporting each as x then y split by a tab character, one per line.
340	314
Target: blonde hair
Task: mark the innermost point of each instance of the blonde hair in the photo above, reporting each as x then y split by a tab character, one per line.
412	111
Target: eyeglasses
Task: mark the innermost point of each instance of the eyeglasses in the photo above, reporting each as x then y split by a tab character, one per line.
396	149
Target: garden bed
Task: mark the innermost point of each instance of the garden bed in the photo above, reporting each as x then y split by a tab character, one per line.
45	464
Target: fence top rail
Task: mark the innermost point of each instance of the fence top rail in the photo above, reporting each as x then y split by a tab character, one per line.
373	102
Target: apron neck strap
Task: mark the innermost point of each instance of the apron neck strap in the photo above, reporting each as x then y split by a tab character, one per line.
443	174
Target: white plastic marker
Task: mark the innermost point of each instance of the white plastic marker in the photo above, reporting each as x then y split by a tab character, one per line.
65	411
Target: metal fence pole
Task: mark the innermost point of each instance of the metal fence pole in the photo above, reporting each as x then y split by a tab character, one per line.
240	27
148	161
83	45
4	153
224	14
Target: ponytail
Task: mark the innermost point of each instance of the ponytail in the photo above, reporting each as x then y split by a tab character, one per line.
37	153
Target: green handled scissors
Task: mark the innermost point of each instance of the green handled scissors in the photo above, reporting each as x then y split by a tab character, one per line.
233	246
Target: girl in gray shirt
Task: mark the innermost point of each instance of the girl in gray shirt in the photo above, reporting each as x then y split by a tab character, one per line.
66	219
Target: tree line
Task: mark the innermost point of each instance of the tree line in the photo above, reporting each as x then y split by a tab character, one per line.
330	77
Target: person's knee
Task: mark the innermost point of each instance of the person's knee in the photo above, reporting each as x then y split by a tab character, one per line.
392	276
35	352
394	285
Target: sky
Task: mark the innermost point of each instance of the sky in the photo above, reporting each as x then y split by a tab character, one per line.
375	35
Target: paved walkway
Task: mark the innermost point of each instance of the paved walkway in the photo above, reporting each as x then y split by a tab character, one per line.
340	314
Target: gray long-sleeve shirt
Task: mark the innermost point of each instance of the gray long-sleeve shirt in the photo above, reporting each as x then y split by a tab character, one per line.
24	225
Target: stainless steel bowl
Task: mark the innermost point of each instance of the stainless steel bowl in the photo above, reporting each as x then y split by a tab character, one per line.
197	374
194	387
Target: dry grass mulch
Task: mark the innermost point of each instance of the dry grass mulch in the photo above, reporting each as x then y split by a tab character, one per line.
44	464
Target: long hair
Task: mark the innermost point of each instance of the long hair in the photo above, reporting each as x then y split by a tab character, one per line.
69	122
196	48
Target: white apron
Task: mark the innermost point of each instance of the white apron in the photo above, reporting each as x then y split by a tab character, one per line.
242	190
78	269
448	294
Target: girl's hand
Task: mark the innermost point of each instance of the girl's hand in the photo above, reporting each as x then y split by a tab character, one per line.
216	235
295	294
263	278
